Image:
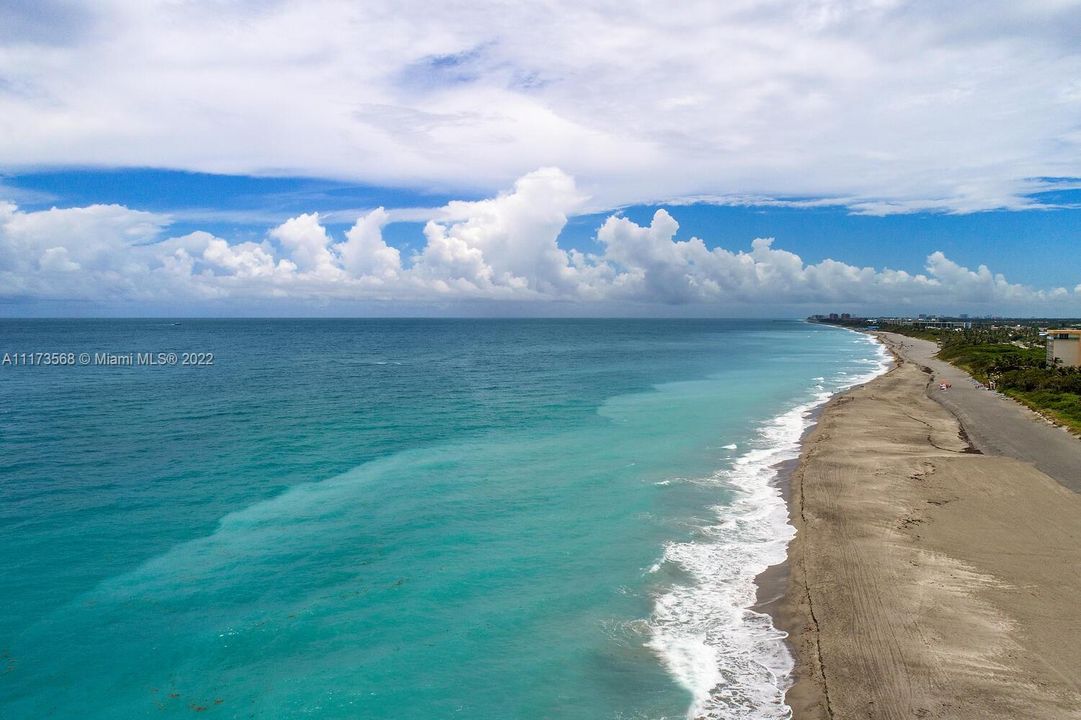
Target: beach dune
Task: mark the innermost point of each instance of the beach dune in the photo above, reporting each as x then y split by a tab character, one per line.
927	580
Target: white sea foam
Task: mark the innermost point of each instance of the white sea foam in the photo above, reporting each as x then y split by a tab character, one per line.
732	446
732	659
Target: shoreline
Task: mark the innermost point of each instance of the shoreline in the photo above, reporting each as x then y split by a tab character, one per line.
910	589
775	584
772	584
753	533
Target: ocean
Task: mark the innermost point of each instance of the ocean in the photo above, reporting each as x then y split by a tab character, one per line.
399	519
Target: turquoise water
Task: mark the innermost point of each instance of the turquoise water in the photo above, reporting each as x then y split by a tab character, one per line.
401	518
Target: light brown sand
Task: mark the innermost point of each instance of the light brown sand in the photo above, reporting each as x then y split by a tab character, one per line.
927	581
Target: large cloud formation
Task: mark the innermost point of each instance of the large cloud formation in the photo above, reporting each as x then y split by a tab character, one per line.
505	248
881	105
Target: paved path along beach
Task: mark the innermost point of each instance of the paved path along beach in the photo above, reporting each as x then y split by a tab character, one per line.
994	423
927	581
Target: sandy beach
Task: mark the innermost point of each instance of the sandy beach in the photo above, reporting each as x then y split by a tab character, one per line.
928	579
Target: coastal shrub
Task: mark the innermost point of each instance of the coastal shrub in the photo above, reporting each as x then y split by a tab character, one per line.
984	360
1064	407
1061	380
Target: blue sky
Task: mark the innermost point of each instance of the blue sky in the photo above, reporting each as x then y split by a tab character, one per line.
292	158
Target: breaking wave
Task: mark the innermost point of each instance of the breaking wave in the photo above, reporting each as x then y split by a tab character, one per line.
731	658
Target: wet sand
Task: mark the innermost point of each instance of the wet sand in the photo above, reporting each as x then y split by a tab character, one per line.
926	580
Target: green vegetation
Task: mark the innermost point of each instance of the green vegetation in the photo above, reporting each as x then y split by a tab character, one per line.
1016	360
988	360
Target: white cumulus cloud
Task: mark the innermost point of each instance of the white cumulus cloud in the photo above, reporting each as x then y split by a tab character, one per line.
506	242
503	248
365	253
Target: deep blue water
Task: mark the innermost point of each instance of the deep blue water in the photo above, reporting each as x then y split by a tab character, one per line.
484	519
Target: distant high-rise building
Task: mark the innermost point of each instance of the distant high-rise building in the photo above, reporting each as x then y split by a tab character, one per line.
964	316
846	316
833	316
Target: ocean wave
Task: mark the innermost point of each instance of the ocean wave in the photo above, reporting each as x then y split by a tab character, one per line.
731	658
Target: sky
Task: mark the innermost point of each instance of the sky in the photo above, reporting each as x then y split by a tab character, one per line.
769	158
